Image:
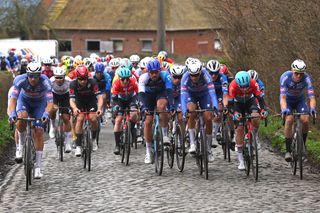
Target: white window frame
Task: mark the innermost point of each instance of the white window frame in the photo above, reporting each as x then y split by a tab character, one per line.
147	40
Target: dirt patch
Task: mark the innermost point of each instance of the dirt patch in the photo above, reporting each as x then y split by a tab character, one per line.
6	158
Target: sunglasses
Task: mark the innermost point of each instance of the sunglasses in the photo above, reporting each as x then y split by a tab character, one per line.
33	75
244	87
298	73
194	75
177	77
82	79
59	77
47	65
154	72
124	79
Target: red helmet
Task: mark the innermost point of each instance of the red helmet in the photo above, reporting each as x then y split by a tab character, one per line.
82	72
224	69
109	57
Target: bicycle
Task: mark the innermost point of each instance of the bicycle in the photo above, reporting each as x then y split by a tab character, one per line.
126	137
170	149
250	150
29	151
226	137
87	141
59	134
298	148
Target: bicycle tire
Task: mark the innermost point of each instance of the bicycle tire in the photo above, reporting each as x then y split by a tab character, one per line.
204	152
246	158
28	163
254	156
293	163
300	150
84	151
60	140
223	145
158	151
122	147
89	149
127	143
198	153
180	148
170	150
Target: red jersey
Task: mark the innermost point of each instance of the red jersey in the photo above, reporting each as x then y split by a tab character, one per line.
48	73
125	92
244	95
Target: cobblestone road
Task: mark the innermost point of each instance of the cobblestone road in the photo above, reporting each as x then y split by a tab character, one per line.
113	187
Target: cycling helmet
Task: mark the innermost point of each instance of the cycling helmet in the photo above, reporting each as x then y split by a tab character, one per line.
213	66
109	57
144	62
82	72
77	62
24	61
194	67
47	61
134	59
188	60
79	57
125	62
114	63
298	65
124	72
93	55
243	79
87	62
34	68
99	67
153	65
224	69
253	74
177	70
163	55
55	62
59	71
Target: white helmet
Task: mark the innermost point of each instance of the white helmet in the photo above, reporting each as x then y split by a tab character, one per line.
253	74
115	62
188	60
78	57
165	65
134	59
88	62
55	62
213	66
59	71
47	61
298	65
34	68
194	67
93	55
177	70
144	62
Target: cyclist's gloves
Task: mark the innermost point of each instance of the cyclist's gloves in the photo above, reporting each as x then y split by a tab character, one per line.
45	116
237	116
285	111
13	117
116	108
313	111
264	113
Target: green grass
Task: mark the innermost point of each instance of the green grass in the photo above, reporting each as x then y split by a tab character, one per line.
5	132
274	133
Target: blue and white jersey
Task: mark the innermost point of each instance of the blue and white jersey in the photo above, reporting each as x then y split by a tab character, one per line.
221	85
202	87
105	82
12	62
42	90
176	90
293	89
261	86
163	83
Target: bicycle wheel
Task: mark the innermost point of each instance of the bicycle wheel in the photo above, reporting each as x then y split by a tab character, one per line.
223	142
300	151
60	141
204	152
158	150
127	143
228	141
294	154
246	157
84	150
254	156
170	150
89	149
28	163
198	153
180	148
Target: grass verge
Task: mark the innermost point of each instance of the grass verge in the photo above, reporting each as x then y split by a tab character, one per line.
5	133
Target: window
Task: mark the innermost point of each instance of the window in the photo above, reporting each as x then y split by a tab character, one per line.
117	45
93	46
146	45
64	46
217	44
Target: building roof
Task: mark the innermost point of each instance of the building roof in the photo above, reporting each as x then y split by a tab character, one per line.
130	15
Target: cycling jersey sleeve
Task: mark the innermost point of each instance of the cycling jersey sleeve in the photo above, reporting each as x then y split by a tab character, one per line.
107	79
142	87
17	85
48	86
72	88
184	92
283	84
211	90
224	83
309	85
166	77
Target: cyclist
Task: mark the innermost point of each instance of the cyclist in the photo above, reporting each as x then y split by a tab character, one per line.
47	67
254	75
23	66
12	62
244	93
135	59
114	64
220	82
60	89
143	65
197	87
163	56
31	96
224	70
84	93
124	95
155	91
292	85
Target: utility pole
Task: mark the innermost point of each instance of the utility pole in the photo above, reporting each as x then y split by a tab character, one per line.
161	29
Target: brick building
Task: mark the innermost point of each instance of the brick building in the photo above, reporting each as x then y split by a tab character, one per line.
123	27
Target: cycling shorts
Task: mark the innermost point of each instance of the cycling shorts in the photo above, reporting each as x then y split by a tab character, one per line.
299	104
152	98
132	103
248	107
62	101
203	99
86	106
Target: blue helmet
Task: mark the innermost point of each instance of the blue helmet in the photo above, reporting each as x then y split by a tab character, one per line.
124	72
99	67
243	79
153	64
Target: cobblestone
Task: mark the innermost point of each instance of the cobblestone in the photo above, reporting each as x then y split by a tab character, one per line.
114	187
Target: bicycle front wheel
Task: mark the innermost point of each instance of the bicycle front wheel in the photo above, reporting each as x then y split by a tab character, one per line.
300	152
89	149
127	143
294	154
199	156
158	150
170	150
204	152
254	156
180	148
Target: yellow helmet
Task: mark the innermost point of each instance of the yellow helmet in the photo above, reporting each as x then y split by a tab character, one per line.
77	62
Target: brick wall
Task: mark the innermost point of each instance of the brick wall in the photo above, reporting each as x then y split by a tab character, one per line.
183	43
